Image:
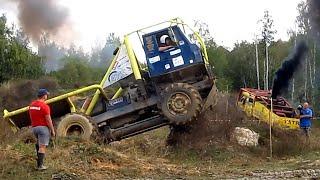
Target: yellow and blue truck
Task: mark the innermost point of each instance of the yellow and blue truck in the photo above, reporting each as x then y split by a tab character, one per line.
256	104
174	88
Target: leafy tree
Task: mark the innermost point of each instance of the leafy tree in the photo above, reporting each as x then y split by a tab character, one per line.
306	81
218	57
303	20
76	72
16	58
203	29
241	65
102	57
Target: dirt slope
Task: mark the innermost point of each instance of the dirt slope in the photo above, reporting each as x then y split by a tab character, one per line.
205	153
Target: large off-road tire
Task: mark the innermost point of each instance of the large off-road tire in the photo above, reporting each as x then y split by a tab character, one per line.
181	103
75	125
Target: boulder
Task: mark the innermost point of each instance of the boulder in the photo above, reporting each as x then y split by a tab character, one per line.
245	136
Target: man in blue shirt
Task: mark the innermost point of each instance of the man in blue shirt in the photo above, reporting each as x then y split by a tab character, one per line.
305	119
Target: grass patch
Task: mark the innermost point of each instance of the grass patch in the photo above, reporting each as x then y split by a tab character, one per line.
129	172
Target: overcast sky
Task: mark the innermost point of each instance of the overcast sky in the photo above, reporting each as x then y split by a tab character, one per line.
229	20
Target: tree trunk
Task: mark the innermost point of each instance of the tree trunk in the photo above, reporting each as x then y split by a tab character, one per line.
292	92
264	74
305	79
314	61
310	73
2	60
267	68
244	82
257	65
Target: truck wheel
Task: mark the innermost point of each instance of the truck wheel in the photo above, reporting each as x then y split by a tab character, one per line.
181	103
75	125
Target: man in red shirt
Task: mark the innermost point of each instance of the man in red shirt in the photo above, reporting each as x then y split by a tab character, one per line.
42	125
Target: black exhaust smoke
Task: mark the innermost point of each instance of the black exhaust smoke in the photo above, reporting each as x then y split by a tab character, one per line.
38	17
289	66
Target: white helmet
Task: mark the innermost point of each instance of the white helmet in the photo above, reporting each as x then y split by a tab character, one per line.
163	39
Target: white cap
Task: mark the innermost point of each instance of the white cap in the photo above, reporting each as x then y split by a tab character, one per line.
163	39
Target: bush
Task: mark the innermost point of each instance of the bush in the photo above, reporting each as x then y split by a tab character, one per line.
17	60
19	93
77	72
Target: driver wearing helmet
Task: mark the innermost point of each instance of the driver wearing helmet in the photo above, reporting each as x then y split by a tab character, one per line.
165	43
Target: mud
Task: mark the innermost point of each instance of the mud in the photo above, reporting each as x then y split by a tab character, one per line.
215	125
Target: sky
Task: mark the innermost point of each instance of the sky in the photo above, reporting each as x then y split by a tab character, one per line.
229	21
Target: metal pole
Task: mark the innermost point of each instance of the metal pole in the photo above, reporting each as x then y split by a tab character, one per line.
140	39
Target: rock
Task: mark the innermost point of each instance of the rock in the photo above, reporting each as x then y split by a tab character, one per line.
280	174
245	137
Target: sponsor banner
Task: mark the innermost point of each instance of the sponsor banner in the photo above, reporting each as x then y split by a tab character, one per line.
121	69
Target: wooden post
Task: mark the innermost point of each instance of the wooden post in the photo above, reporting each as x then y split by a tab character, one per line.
227	105
267	67
270	126
257	64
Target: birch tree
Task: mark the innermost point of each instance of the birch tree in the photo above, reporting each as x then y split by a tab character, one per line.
267	37
304	30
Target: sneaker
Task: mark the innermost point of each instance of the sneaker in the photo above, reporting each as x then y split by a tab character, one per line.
42	167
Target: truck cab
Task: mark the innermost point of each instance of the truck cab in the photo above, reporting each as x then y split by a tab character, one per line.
181	53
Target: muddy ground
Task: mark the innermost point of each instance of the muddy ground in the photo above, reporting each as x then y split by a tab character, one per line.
147	156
